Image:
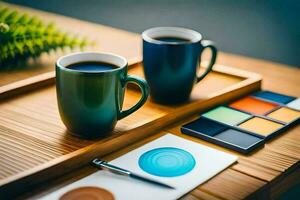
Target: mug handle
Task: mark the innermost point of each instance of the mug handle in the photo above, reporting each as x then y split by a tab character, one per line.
208	44
145	93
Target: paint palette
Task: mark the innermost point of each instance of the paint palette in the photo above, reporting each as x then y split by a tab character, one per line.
246	123
169	159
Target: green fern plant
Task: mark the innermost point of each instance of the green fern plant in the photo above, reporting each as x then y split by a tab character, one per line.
23	37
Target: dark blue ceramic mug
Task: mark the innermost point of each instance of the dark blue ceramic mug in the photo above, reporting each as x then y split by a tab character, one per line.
171	56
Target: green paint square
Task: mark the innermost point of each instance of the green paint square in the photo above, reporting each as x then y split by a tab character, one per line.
226	115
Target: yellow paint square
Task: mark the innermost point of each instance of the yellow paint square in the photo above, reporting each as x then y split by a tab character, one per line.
260	126
285	114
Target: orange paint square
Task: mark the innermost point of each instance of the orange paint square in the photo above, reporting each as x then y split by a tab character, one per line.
285	115
253	105
261	126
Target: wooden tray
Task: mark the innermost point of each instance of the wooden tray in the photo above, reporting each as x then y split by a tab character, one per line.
35	146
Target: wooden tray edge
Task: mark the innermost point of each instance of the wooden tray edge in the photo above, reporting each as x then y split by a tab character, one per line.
48	78
38	81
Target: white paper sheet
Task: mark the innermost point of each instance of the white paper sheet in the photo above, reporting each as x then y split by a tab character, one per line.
209	162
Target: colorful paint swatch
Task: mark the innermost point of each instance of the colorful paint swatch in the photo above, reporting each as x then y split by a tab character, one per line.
226	115
272	96
285	115
246	123
261	126
253	105
238	138
167	162
294	104
205	126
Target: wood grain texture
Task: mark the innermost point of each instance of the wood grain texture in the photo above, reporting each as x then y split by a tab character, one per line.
249	178
35	146
264	174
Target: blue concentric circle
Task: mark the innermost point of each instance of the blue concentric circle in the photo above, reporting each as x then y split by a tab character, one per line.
167	162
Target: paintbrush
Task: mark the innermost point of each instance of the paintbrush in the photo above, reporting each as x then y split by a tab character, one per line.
117	170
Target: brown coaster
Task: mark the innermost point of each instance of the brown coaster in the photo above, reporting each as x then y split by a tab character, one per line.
88	193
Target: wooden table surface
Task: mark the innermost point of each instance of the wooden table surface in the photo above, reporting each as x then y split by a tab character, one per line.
263	174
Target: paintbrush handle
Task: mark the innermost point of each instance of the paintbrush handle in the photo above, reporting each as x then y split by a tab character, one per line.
105	166
114	169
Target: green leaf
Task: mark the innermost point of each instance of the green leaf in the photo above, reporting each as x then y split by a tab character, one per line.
23	37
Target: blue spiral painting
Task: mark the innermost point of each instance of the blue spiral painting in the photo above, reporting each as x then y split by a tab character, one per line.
167	162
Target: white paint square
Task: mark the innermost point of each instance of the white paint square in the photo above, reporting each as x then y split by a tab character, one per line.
295	104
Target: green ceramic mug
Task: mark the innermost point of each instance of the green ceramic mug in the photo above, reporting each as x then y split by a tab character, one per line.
90	102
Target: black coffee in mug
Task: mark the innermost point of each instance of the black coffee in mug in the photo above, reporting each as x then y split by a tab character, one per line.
171	39
92	66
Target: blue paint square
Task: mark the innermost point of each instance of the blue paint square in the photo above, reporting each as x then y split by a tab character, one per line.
205	126
238	138
275	97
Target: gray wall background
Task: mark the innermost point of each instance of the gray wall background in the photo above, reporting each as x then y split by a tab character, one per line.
266	29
